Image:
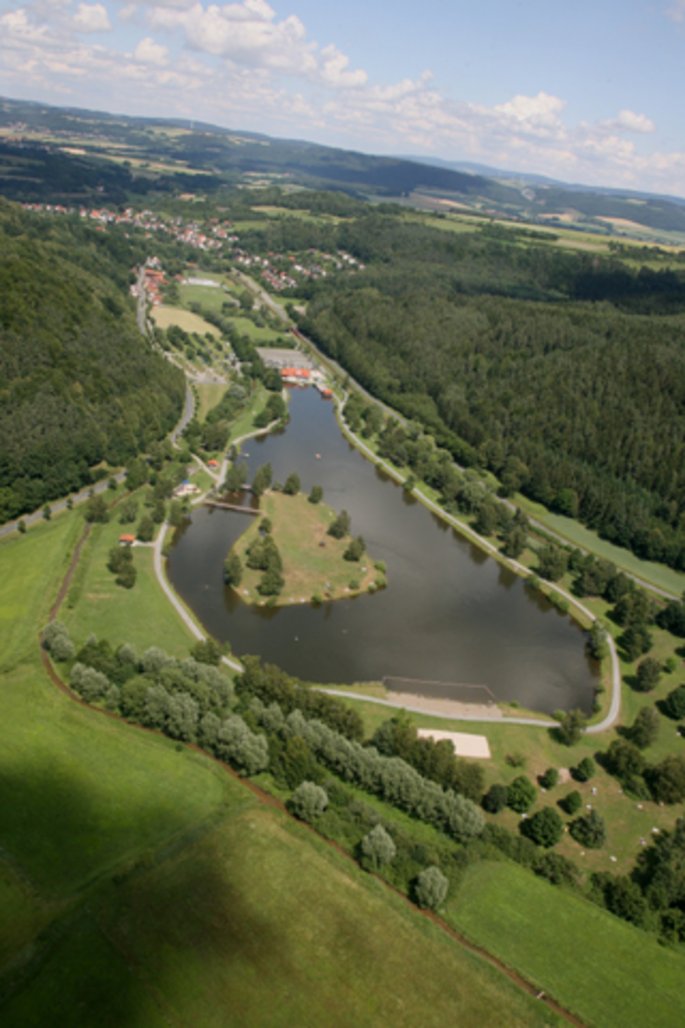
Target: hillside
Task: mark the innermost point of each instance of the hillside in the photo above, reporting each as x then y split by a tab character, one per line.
78	383
66	154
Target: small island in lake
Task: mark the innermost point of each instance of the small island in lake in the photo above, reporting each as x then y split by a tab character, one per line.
298	550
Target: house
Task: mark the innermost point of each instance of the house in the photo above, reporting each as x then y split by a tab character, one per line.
126	539
212	463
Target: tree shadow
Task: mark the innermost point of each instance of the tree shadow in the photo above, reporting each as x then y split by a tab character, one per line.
114	950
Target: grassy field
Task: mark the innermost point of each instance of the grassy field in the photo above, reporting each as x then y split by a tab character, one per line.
211	298
134	615
312	560
577	535
261	336
606	971
209	394
165	316
140	884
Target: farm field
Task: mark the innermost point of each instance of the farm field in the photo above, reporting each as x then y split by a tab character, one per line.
604	970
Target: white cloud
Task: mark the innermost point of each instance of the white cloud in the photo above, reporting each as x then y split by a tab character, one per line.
630	121
149	52
676	12
91	18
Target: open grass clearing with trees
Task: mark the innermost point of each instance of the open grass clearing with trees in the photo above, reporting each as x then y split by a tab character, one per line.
209	395
313	562
134	616
604	970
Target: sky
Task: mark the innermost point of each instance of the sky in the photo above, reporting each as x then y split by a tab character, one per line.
590	92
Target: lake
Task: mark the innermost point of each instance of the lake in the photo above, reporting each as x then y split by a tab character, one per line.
451	616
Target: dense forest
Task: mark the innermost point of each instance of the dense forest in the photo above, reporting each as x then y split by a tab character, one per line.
564	374
78	384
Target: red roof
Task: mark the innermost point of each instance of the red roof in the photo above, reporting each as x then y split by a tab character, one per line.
296	373
127	538
212	463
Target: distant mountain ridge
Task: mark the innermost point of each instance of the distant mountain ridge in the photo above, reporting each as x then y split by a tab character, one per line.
70	152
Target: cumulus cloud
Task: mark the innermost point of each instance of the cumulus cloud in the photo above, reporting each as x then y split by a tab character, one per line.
91	18
149	52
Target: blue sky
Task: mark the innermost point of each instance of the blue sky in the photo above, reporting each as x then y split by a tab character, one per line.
590	92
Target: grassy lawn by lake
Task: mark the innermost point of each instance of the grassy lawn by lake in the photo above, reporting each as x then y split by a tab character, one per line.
136	615
603	969
313	562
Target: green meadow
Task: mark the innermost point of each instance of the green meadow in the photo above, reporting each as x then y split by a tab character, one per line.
142	884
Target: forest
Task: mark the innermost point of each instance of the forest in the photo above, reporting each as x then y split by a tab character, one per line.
562	373
78	384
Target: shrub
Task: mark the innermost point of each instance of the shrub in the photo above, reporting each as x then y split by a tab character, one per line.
549	779
571	802
430	888
308	801
648	674
584	770
57	642
521	794
674	704
377	848
589	830
545	827
495	798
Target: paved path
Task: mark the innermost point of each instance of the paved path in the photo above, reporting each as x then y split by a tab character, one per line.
173	599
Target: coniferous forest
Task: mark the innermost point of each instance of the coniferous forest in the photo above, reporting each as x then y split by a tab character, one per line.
564	374
77	384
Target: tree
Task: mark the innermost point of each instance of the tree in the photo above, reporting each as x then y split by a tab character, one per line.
648	674
495	798
589	830
57	642
236	477
292	484
635	641
233	570
430	888
644	729
262	480
316	494
666	780
308	802
550	778
571	727
597	644
552	562
21	526
571	802
515	541
377	848
340	526
96	511
674	704
521	794
355	550
624	760
584	770
146	529
271	583
545	827
206	651
47	512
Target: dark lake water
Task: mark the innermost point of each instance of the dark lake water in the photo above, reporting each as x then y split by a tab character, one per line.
449	615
